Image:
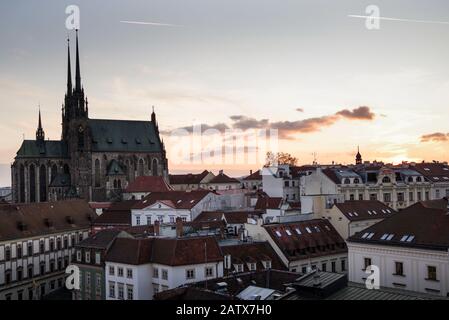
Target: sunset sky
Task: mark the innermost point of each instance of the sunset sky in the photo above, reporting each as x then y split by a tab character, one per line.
325	81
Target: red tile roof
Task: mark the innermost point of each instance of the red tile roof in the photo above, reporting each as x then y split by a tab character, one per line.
265	202
114	218
254	176
35	219
148	184
189	178
166	251
435	172
241	217
364	209
175	199
315	238
422	225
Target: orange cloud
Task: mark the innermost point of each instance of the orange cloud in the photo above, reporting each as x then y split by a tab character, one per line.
436	137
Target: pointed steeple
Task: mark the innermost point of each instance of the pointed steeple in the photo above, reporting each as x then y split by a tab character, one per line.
40	134
153	116
78	72
69	70
358	156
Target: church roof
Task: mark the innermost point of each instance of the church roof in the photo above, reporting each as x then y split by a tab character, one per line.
124	136
42	149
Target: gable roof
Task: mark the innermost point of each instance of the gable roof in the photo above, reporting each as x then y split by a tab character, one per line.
166	251
34	219
306	239
179	199
189	178
124	136
207	216
422	225
101	240
254	176
364	210
223	178
114	218
148	184
241	217
42	149
265	202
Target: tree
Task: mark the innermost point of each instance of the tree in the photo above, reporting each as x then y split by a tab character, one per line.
280	158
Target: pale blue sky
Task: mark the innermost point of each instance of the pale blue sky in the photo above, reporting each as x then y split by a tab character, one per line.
258	58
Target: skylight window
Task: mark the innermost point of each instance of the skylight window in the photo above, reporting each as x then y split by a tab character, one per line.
308	230
390	237
383	211
365	235
288	232
317	229
179	201
436	178
278	234
369	212
374	211
370	235
446	178
427	169
404	238
410	238
446	169
298	231
356	214
350	214
388	210
384	236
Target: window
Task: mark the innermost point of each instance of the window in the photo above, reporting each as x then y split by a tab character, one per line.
7	253
373	196
346	181
427	195
155	288
190	274
19	274
351	197
356	180
164	274
30	271
137	220
333	266
410	196
367	263
129	273
30	248
387	197
431	273
418	179
400	196
386	180
42	268
343	265
121	293
97	258
80	237
87	279
87	256
78	255
399	268
111	289
155	273
419	196
360	196
52	244
41	246
209	271
238	267
172	219
324	266
66	242
148	220
303	270
129	292
111	270
58	244
267	264
120	272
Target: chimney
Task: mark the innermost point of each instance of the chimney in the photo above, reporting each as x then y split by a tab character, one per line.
220	172
179	227
250	172
157	228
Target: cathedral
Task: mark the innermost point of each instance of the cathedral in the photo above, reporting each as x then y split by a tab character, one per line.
95	158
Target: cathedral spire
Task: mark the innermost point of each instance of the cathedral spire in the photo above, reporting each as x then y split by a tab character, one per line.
78	72
69	70
358	156
40	135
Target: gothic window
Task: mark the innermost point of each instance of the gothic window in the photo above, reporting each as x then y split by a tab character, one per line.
81	138
141	167
22	183
119	184
154	168
386	180
43	183
32	180
97	173
115	183
54	172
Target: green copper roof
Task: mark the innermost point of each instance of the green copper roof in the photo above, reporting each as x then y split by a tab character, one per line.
42	149
124	136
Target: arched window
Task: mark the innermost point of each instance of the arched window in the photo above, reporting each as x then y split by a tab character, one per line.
32	179
154	168
418	179
119	184
386	180
347	181
22	183
53	172
42	183
410	179
97	173
80	139
141	167
356	180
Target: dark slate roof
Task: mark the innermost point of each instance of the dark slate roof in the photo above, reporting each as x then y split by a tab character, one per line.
130	251
114	218
241	217
148	184
364	210
265	202
422	225
61	180
189	178
115	169
35	219
124	136
176	199
101	240
254	176
306	239
42	149
435	172
223	178
191	293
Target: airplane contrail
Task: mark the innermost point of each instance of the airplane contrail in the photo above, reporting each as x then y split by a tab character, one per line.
397	19
151	23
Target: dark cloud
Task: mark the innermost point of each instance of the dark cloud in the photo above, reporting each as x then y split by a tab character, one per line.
360	113
437	136
244	123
